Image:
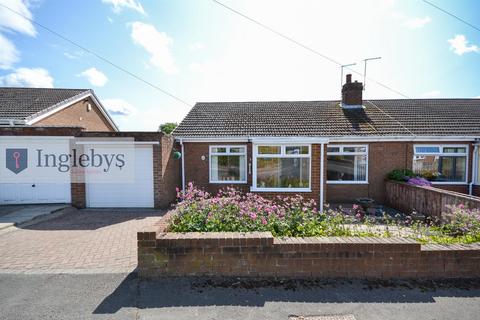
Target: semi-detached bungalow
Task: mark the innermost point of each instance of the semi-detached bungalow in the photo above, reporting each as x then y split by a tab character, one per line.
330	151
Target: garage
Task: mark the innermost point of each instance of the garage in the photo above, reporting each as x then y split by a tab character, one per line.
130	186
30	170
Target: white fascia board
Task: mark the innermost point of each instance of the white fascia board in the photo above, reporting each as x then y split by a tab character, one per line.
307	140
332	139
96	142
289	139
67	103
213	139
402	138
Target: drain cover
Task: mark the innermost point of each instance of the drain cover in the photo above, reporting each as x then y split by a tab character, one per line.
329	317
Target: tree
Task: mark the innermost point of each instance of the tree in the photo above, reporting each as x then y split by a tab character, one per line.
167	127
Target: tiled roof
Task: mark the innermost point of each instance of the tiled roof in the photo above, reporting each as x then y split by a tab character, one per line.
326	118
24	103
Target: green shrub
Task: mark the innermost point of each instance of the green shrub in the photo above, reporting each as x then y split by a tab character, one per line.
401	175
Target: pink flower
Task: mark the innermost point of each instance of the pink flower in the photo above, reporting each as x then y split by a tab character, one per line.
253	215
461	206
355	207
264	221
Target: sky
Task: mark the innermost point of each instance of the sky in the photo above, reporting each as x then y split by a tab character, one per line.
197	50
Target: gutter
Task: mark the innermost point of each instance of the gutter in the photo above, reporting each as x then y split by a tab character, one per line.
183	164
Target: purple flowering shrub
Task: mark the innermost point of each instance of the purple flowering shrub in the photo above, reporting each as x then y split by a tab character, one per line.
231	210
461	222
417	181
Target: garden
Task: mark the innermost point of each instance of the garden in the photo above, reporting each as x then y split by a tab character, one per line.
233	211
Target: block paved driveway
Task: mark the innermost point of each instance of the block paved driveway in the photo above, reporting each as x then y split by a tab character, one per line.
85	241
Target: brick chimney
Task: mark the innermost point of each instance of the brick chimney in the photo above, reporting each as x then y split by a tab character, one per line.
352	94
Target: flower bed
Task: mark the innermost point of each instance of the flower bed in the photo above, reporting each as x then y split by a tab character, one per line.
232	211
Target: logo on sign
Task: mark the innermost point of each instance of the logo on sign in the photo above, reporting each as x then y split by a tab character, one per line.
16	160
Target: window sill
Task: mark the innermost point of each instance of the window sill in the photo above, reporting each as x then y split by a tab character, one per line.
253	189
347	182
228	182
450	183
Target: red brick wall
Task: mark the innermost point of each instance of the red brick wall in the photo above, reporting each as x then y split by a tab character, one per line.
476	190
258	254
429	201
78	115
197	171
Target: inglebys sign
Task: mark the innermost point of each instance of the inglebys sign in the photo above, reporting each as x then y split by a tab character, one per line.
64	162
35	160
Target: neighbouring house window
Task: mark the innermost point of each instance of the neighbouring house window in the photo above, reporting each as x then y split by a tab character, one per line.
347	164
441	163
228	164
282	167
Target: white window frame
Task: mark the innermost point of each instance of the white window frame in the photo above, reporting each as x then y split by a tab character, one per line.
441	153
228	153
476	163
343	153
282	154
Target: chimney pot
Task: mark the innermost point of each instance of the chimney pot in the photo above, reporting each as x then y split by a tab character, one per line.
349	78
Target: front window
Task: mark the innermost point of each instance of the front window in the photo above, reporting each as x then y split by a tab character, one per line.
347	164
441	163
282	167
228	164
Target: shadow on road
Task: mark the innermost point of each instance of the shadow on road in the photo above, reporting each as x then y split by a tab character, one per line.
185	292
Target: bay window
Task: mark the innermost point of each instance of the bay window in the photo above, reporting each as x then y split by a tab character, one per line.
282	167
228	164
347	164
441	163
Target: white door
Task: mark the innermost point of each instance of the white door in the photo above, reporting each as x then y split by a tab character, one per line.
36	183
137	192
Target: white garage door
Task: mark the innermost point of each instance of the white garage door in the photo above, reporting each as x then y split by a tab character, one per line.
136	193
35	183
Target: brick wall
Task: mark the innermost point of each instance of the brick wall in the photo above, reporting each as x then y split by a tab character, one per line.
258	254
476	190
40	131
78	115
197	171
429	201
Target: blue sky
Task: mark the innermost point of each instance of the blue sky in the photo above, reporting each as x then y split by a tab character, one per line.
199	51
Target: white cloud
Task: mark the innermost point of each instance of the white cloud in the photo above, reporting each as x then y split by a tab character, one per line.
460	45
9	55
28	77
14	22
118	107
118	5
477	97
196	46
94	76
157	44
416	23
431	94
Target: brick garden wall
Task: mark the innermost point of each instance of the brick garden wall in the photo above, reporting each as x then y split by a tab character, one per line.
258	254
426	200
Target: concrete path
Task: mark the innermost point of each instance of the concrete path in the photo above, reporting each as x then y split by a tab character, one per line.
83	241
13	215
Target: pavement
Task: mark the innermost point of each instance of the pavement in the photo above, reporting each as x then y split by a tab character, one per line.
124	296
14	215
79	241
